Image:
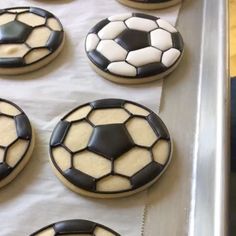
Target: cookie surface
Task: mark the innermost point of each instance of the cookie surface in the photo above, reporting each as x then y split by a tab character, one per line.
134	48
110	148
75	227
29	39
16	141
149	4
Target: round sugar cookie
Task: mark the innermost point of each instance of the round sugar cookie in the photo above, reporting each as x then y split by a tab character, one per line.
75	227
30	38
16	141
149	4
134	48
110	148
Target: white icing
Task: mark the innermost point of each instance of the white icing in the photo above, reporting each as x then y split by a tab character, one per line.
39	37
144	56
161	39
31	19
36	54
120	17
54	24
13	50
166	25
91	42
138	23
170	57
111	30
122	68
111	50
6	18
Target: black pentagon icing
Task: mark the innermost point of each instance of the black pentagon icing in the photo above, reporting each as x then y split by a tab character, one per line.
80	179
12	62
108	103
133	39
55	40
5	170
98	59
40	12
110	141
146	175
99	26
23	127
59	133
177	40
74	227
158	126
145	16
151	69
14	32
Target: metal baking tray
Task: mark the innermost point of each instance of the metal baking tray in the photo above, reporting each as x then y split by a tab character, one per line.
192	198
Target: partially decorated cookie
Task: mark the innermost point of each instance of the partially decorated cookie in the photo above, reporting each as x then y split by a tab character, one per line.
75	227
110	148
16	141
29	39
134	48
149	4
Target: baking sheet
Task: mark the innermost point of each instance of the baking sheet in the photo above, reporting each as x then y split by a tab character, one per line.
37	198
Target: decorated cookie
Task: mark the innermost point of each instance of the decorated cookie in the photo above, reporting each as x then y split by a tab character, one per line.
29	39
110	148
149	4
75	227
134	48
16	141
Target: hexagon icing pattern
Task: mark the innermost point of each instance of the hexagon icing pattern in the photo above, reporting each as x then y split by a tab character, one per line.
136	110
8	109
120	17
105	47
142	24
6	18
36	55
108	116
62	158
7	127
170	57
16	152
42	35
161	152
161	39
144	56
91	42
113	183
92	164
141	132
133	161
31	19
122	68
111	30
79	113
166	25
53	24
78	136
13	50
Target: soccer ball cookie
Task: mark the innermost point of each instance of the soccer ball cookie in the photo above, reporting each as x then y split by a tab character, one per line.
16	141
110	148
75	227
149	4
134	48
29	39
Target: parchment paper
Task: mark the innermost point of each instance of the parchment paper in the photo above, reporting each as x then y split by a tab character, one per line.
37	198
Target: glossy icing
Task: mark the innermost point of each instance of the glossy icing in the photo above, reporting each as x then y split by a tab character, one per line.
134	46
27	36
117	146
